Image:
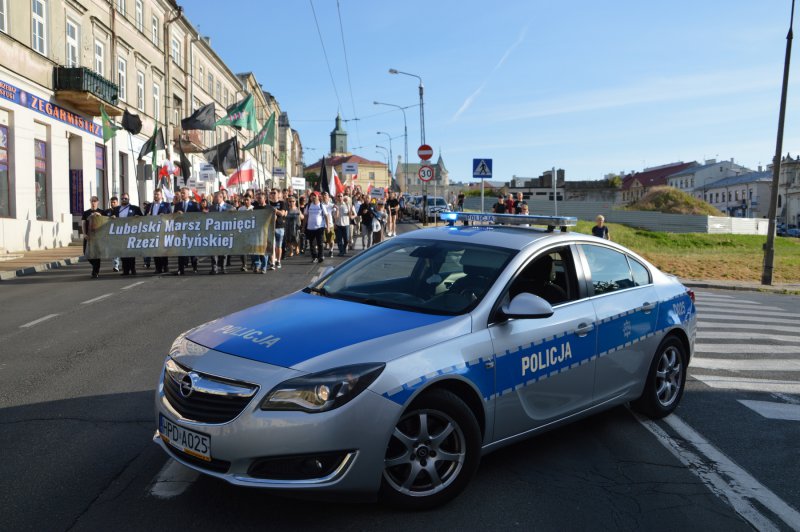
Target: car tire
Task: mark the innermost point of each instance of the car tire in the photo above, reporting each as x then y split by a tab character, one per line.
666	379
432	454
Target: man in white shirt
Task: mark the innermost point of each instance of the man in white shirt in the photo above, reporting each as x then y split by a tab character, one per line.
316	222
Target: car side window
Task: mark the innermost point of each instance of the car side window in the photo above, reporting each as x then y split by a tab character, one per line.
641	275
550	276
608	268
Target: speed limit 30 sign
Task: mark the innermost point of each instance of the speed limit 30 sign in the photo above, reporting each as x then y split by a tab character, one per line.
425	173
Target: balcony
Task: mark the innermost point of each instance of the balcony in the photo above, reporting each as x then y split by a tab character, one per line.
85	90
191	139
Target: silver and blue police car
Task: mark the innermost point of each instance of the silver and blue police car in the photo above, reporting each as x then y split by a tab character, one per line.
394	373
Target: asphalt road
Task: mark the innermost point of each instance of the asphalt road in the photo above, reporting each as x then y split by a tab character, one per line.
76	423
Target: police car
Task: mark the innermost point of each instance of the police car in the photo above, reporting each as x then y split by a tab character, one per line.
394	373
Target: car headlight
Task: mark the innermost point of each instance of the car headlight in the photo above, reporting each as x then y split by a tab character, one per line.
320	392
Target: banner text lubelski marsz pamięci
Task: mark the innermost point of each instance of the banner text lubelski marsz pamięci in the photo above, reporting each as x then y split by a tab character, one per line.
173	235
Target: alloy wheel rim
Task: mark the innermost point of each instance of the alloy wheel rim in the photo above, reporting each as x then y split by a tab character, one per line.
426	453
669	376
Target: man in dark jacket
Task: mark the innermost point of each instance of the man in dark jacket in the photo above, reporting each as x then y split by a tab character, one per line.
185	204
126	210
157	208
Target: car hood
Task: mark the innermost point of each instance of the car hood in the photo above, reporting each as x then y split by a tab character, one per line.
296	328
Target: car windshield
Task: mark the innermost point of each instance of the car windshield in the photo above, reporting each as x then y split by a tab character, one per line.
429	276
436	201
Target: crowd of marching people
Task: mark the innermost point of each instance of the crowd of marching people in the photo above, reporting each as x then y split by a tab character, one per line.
307	223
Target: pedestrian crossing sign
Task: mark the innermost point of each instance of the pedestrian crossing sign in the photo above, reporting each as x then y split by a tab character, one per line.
481	168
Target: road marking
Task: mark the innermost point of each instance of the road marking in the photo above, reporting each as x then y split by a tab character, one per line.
739	305
734	491
791	399
173	479
713	295
749	384
705	325
755	319
709	335
772	410
759	364
36	322
98	298
762	311
132	285
750	349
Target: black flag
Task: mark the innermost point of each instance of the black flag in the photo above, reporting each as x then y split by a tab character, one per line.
186	166
156	142
395	187
131	123
224	155
203	118
324	185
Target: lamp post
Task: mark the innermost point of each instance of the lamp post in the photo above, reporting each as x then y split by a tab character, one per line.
769	247
405	134
387	154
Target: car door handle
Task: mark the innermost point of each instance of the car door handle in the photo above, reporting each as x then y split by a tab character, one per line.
647	308
584	329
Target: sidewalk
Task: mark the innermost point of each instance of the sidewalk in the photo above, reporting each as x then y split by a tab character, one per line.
25	263
13	265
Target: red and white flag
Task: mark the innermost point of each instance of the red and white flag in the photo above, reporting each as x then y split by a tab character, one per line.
336	184
244	174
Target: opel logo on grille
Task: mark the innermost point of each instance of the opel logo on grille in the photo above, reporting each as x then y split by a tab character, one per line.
187	386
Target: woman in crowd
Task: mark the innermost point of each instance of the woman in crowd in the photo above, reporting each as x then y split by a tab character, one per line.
379	222
294	222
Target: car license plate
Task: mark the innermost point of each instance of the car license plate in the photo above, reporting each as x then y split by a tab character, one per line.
188	441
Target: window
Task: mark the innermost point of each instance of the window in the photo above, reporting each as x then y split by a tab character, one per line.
121	7
5	184
155	30
609	269
225	96
139	15
3	27
73	55
219	91
140	90
211	84
156	101
99	57
641	275
202	75
122	78
39	26
40	173
100	173
550	276
120	187
176	50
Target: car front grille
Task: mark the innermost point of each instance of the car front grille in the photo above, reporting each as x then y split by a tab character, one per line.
205	398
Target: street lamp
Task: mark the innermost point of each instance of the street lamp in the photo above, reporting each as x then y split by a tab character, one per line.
387	154
421	102
391	155
405	134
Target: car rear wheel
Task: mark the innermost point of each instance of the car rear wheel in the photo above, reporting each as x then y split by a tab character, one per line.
666	379
432	453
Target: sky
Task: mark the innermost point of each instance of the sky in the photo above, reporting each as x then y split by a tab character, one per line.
590	87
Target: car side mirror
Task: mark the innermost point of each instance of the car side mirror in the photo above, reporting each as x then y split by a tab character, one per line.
527	306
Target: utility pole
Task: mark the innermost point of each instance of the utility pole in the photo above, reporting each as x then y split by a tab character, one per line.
769	247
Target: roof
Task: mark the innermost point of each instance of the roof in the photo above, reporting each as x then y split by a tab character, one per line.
336	161
750	177
656	176
700	167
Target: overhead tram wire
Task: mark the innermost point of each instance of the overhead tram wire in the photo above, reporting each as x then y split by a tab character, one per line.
373	115
325	53
347	67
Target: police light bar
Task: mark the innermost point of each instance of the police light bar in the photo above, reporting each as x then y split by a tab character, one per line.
484	218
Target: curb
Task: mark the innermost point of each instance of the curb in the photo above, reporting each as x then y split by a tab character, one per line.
742	288
52	265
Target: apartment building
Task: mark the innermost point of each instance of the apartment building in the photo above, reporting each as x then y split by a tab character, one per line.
60	62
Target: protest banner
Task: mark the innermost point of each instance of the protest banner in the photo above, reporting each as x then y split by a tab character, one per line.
183	234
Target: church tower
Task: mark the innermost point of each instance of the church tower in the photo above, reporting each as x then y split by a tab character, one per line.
338	138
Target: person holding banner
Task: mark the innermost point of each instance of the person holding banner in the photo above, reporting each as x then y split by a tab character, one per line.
125	210
113	203
185	204
85	224
218	262
277	203
157	208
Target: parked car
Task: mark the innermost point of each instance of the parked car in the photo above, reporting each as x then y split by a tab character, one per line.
795	232
473	338
436	205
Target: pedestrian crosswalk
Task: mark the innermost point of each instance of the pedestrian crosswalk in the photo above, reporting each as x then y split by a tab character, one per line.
744	346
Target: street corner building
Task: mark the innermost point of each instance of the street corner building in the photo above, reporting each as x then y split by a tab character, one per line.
64	63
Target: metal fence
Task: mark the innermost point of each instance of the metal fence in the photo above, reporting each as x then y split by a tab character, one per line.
652	221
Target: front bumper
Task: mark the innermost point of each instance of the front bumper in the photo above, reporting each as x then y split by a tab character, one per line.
356	433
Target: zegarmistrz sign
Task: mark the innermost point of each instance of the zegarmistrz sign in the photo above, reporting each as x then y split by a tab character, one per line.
181	234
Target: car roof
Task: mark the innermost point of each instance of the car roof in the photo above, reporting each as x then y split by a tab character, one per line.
495	235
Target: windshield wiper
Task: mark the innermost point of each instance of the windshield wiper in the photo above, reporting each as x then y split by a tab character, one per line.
313	289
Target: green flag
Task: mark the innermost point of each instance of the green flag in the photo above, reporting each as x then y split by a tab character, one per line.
109	127
241	114
265	136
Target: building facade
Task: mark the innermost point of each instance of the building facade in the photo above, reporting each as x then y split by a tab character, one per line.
740	196
694	180
407	176
60	62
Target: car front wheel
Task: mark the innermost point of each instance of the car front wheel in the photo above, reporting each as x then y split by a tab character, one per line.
666	379
432	453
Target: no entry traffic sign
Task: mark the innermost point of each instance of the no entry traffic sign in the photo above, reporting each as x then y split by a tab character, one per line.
425	173
425	152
